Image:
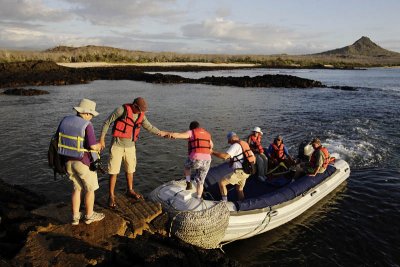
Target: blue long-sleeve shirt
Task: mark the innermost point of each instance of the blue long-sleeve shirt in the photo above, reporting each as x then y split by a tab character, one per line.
270	151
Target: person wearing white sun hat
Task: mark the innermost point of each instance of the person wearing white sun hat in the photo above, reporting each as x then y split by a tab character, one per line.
77	144
254	141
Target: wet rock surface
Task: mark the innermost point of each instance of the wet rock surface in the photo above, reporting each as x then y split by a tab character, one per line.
25	92
35	232
345	88
49	73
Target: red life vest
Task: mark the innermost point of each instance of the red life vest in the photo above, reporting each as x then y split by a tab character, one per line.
279	151
200	141
255	144
125	126
247	153
327	159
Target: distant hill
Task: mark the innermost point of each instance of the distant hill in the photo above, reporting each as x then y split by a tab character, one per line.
85	49
362	47
362	54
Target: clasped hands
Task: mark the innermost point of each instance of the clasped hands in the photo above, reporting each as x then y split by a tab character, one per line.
165	134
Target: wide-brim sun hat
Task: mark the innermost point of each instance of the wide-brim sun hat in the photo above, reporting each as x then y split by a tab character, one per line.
87	106
258	130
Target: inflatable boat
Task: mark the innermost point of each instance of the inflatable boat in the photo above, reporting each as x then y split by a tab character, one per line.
210	222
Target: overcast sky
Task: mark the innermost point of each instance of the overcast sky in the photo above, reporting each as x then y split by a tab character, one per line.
202	26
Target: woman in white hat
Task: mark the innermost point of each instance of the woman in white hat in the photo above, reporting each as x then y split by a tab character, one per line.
77	143
254	141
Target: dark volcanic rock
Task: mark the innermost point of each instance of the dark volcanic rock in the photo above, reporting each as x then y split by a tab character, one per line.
34	232
156	250
278	80
16	204
49	73
25	92
345	88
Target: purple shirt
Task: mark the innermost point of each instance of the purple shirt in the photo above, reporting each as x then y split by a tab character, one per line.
90	140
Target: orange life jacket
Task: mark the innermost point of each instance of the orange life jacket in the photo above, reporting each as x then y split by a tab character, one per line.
255	144
327	158
279	151
200	141
125	126
247	153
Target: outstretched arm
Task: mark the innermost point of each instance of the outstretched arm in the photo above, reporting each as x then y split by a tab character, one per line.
183	135
221	155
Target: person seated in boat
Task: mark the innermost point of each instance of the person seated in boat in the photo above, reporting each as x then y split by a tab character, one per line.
199	158
278	154
254	141
319	161
236	153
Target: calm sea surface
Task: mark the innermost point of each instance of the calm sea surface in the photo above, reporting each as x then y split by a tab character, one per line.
356	225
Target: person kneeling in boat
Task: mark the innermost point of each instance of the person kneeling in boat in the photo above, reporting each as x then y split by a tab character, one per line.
254	141
278	154
236	153
199	159
319	160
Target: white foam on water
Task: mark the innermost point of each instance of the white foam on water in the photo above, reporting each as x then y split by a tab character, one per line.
356	152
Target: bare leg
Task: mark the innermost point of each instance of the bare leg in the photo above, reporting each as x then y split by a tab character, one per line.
222	187
240	192
76	202
89	202
186	172
129	182
113	181
200	188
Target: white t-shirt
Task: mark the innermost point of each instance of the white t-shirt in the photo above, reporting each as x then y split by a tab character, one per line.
233	151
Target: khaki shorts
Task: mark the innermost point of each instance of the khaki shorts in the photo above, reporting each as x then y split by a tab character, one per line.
238	177
82	176
120	154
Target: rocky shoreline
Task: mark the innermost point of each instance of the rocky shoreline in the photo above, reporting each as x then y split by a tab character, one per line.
37	73
36	232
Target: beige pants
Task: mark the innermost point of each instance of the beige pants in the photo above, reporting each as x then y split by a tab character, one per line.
238	177
118	154
82	176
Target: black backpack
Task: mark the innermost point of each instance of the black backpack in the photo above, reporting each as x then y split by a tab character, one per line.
248	166
55	160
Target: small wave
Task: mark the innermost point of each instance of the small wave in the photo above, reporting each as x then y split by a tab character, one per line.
359	153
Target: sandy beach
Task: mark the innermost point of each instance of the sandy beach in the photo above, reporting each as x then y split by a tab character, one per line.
154	64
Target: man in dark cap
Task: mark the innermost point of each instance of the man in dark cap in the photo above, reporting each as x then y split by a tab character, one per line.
319	161
127	119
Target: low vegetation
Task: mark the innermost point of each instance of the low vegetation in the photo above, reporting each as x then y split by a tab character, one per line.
363	53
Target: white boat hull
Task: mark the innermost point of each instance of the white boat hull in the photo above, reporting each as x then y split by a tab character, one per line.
245	224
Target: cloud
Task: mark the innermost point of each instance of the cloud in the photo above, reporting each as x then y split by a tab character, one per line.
29	10
23	38
123	12
247	38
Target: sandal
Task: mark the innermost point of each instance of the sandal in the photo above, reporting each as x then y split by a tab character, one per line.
134	195
111	203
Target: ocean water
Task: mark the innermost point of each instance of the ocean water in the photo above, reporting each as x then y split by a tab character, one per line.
356	225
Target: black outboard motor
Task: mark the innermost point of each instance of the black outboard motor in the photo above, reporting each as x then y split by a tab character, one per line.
305	151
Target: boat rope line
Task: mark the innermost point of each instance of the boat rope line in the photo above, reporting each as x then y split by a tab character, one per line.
203	228
267	216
